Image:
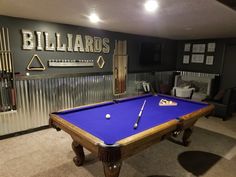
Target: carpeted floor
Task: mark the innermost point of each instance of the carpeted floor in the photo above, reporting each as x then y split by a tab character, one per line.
48	153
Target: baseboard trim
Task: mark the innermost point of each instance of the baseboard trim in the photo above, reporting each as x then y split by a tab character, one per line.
23	132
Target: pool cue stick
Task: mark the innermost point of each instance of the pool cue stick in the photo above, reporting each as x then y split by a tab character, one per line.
116	80
1	99
12	89
139	115
13	99
5	80
123	74
3	95
9	51
2	55
5	49
6	71
120	72
6	96
124	64
119	58
2	71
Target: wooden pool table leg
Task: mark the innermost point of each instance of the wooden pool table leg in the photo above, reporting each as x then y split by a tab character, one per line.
186	136
112	169
79	151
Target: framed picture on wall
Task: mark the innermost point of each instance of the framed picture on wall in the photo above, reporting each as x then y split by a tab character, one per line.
186	59
187	47
199	48
211	47
197	58
209	60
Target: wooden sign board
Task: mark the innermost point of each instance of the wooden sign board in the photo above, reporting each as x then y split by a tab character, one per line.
120	61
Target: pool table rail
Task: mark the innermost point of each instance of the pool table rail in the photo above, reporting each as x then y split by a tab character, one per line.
186	123
79	135
138	142
83	107
190	119
127	146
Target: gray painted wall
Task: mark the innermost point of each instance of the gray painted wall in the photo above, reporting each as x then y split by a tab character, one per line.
22	57
229	70
224	60
216	68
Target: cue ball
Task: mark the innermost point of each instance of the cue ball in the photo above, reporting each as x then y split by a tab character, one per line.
108	116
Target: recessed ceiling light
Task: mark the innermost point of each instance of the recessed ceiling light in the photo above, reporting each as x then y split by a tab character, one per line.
151	5
94	18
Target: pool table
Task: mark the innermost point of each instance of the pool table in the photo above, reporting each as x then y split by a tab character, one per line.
114	138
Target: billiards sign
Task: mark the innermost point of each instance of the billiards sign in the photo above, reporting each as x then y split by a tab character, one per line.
39	40
43	41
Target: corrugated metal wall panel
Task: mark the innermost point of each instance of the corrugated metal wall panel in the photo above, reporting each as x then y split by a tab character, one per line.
37	98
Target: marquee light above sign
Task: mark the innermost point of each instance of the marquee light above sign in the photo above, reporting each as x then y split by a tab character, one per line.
34	40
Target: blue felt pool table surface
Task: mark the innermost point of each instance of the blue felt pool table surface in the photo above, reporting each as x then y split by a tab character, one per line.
124	114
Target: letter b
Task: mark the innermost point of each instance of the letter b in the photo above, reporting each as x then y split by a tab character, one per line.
28	43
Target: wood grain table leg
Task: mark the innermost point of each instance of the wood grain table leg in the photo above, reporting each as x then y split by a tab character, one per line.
186	136
112	169
79	151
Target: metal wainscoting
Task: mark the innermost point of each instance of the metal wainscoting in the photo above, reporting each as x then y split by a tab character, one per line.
36	98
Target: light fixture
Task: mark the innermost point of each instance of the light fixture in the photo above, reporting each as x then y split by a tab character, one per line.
94	18
151	5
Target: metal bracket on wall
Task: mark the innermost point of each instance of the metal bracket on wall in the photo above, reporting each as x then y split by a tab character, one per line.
31	68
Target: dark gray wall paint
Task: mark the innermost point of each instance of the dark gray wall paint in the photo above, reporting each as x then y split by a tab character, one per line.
168	54
229	70
224	60
22	57
217	66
